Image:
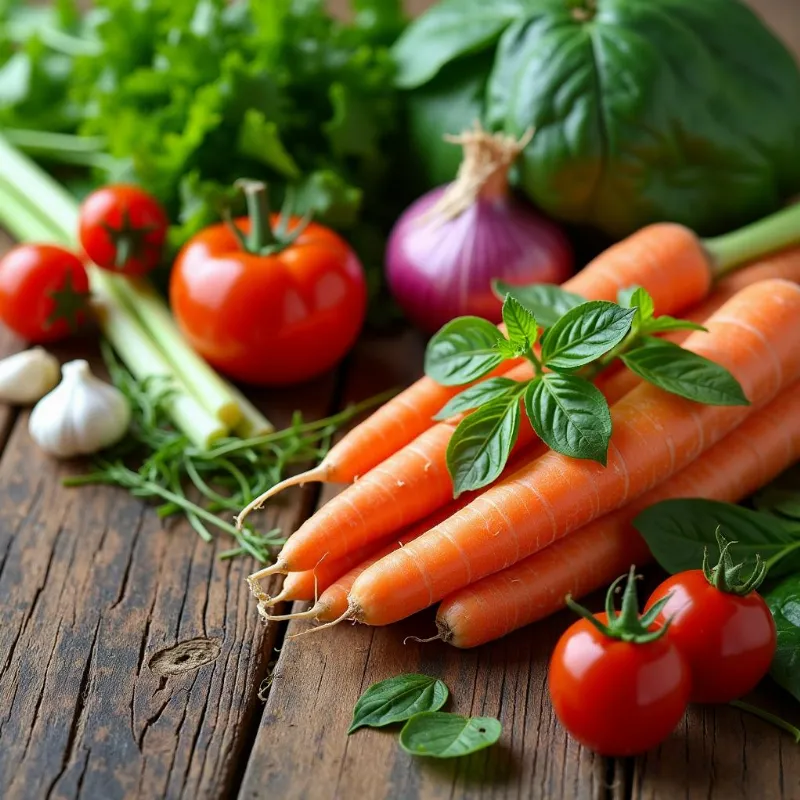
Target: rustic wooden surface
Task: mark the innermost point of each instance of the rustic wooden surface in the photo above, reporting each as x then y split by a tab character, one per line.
131	658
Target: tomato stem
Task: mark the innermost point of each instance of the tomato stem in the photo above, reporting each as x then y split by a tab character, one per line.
725	575
627	626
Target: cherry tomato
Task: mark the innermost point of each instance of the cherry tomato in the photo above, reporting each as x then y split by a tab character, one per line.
122	229
269	319
615	697
728	640
44	292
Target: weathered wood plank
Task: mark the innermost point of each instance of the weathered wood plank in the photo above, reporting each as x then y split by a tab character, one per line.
721	752
96	700
302	750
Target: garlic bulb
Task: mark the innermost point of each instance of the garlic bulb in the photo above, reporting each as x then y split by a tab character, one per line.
27	376
81	415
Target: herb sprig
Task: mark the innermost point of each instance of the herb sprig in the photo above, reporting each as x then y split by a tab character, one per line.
158	463
569	342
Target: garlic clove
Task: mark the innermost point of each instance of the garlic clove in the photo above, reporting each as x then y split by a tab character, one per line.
27	376
82	415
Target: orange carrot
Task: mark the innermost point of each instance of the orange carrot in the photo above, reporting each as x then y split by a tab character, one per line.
752	455
785	265
656	434
308	584
668	260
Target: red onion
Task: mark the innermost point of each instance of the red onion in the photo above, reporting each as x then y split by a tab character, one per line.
448	246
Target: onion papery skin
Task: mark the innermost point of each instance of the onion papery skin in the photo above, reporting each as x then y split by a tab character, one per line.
439	269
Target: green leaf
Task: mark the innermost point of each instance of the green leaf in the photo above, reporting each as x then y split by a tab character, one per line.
637	297
462	351
509	350
784	602
676	531
783	502
521	327
477	395
665	323
673	369
449	29
585	333
260	140
396	700
547	302
570	415
441	735
479	447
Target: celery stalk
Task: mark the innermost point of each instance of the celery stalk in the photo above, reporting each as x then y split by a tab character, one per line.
206	385
145	360
253	422
44	210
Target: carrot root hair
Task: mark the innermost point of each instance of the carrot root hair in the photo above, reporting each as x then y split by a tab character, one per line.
349	614
278	568
422	641
318	474
311	613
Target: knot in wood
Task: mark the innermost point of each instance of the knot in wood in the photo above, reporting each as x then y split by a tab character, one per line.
185	656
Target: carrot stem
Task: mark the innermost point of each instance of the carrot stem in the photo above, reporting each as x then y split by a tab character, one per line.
760	238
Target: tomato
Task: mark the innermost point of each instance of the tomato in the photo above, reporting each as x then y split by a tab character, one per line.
728	640
282	314
44	292
615	697
122	229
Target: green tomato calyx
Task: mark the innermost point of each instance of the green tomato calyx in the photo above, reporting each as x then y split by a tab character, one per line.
263	239
725	576
626	625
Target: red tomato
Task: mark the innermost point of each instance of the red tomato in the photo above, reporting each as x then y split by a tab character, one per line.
122	229
44	292
728	640
269	319
615	697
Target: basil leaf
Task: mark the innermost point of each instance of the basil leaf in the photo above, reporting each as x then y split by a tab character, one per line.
462	351
509	349
639	298
783	502
449	29
666	323
784	603
684	373
475	396
585	333
521	327
480	445
441	735
396	700
547	302
676	531
570	415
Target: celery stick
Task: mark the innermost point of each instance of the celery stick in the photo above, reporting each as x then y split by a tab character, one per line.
253	422
144	360
206	385
22	221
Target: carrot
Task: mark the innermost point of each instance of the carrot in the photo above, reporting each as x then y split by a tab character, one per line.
754	335
785	265
671	262
753	454
308	584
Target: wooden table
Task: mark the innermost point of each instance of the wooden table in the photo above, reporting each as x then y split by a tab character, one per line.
133	664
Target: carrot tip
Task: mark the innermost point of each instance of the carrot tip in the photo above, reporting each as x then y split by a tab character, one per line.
278	568
310	613
422	641
319	473
349	614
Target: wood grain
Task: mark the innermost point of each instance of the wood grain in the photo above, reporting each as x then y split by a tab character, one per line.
95	699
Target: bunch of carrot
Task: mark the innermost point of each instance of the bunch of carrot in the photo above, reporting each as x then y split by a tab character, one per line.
395	541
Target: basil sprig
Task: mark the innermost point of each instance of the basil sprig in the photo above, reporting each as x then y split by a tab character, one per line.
568	341
416	700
